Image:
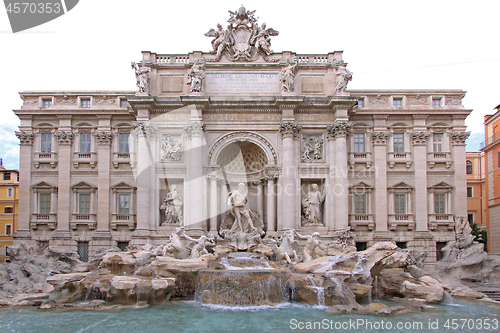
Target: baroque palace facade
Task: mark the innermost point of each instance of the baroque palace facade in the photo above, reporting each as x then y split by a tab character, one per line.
120	168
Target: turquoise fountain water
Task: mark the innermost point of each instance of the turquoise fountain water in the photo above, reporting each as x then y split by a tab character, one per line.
191	316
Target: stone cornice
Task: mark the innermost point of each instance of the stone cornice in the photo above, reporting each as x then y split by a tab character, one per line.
420	116
64	116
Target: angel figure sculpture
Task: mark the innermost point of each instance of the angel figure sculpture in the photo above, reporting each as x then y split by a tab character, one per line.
261	39
222	39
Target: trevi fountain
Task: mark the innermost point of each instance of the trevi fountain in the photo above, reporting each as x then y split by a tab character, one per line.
282	264
243	280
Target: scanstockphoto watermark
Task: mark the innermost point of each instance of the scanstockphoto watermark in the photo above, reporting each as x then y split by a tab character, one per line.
437	325
24	15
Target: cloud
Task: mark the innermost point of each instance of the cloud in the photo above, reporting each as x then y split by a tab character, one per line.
9	145
474	141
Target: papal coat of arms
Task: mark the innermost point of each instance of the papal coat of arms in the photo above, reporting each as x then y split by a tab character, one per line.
243	39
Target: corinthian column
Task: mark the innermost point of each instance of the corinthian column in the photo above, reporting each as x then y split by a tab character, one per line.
288	194
271	204
260	198
195	184
330	181
339	174
102	236
459	161
213	178
22	233
379	158
420	160
143	167
65	140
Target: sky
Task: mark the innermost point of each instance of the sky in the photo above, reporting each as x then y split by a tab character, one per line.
437	44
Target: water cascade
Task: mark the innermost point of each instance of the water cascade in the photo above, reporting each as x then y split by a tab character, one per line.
316	284
246	279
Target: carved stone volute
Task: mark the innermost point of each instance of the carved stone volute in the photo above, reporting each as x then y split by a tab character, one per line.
380	138
420	138
26	138
459	138
64	137
289	129
104	137
338	130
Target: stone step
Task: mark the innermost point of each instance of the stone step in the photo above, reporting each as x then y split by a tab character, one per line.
492	290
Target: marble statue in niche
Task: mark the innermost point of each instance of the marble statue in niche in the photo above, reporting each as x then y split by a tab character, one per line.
311	207
241	219
172	207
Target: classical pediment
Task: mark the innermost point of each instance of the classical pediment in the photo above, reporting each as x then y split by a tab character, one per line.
362	185
123	185
43	185
440	186
83	185
401	185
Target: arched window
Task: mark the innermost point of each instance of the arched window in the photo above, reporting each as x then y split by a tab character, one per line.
469	167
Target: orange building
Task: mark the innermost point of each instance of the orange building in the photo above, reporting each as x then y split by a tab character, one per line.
476	189
491	149
9	204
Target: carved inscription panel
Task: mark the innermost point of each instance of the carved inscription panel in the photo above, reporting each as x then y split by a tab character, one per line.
241	83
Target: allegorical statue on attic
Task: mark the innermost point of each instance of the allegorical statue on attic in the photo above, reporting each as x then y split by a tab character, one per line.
196	75
142	77
343	77
243	39
287	76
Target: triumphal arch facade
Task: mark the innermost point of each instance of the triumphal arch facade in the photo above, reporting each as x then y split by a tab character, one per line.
128	167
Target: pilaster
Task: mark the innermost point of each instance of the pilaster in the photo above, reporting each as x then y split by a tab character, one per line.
380	158
419	141
64	140
339	131
271	203
142	233
459	161
195	183
102	236
289	130
22	233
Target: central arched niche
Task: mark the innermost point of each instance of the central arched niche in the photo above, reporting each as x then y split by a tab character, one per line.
242	158
244	162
